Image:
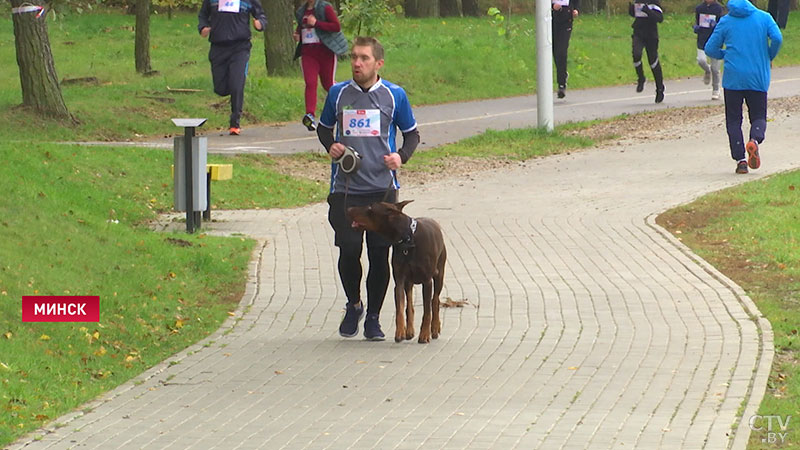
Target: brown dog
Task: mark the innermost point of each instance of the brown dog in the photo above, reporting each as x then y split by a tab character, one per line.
418	257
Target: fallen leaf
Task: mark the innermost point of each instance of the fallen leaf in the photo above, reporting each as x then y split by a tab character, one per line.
44	337
450	303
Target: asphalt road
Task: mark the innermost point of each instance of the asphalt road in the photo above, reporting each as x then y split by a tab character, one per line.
451	122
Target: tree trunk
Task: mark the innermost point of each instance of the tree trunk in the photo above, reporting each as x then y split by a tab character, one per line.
428	8
142	47
421	8
37	71
278	44
470	8
410	8
449	8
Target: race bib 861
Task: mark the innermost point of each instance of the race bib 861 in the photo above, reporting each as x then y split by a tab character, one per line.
361	122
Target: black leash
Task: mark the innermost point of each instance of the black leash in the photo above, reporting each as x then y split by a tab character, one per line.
389	188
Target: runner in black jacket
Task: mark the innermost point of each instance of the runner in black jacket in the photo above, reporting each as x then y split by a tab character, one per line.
647	15
226	24
563	13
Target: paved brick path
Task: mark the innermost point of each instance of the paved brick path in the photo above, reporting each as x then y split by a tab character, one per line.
587	326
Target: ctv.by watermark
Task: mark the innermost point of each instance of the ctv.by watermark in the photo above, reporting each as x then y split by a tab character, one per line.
773	427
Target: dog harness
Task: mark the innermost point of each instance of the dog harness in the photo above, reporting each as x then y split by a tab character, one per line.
406	244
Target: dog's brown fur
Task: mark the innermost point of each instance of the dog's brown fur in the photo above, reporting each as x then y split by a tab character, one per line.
417	258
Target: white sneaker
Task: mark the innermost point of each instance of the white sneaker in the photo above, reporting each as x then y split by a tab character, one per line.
707	78
715	95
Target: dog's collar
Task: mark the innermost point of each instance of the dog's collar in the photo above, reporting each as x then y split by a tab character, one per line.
406	244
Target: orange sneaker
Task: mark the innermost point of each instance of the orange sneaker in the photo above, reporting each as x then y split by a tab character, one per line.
753	160
235	131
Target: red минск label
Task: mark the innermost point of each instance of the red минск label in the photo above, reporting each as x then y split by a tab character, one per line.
60	308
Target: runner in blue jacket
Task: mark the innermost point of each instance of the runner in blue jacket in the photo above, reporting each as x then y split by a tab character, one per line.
751	40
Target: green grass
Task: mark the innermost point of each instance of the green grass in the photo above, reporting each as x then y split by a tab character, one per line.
256	184
518	144
73	222
435	60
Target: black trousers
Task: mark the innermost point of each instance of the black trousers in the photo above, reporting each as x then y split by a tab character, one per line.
757	113
351	242
561	35
779	9
651	45
229	70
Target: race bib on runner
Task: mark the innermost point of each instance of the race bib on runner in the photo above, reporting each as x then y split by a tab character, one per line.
310	36
229	6
707	20
637	10
561	2
361	122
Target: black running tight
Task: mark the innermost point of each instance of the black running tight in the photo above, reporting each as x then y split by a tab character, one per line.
351	272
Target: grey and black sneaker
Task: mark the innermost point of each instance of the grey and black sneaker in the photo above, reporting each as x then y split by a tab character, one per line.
562	91
741	167
640	85
309	122
352	316
372	328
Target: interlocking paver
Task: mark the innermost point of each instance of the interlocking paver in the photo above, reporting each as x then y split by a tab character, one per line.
586	326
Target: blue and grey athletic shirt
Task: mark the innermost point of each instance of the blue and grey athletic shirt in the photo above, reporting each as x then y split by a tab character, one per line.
368	122
229	19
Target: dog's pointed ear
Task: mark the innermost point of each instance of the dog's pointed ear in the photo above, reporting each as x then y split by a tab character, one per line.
402	204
